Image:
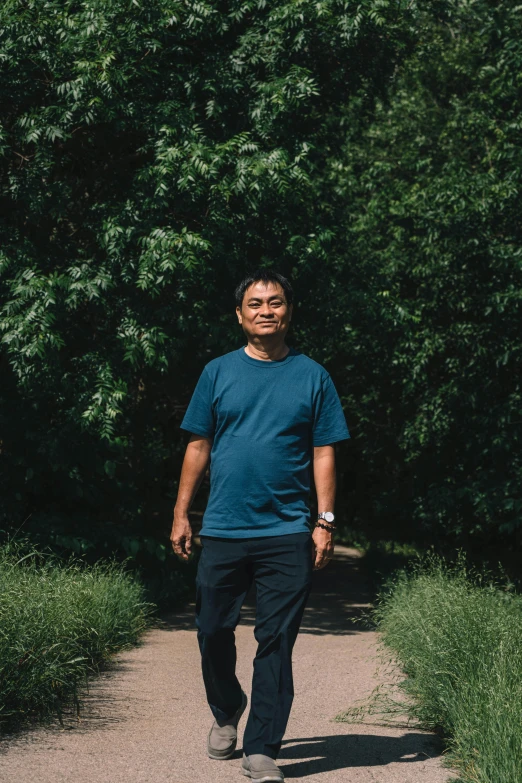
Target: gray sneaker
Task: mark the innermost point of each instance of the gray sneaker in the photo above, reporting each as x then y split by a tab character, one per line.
222	738
262	769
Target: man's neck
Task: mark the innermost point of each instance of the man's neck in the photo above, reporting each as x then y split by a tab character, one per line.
267	351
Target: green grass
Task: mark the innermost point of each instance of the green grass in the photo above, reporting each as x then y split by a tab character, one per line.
458	637
59	622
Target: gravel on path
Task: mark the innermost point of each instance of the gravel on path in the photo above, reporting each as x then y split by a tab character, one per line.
146	720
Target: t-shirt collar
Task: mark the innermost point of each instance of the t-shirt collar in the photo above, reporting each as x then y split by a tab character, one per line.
264	364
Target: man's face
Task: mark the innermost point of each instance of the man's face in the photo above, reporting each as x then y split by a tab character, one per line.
264	310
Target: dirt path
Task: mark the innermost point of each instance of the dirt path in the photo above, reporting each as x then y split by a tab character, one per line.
147	720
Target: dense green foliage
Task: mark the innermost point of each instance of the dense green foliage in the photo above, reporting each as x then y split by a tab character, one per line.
153	153
435	235
59	623
150	156
459	640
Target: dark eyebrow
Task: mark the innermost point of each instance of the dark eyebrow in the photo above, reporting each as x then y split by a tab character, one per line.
258	299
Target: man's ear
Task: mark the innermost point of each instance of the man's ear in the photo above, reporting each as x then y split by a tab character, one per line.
238	313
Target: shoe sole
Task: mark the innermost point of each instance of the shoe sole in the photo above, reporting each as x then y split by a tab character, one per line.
265	779
229	753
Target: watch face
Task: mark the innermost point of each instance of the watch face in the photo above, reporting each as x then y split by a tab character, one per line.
329	517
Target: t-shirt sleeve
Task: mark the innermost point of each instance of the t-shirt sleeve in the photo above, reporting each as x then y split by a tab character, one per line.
199	418
329	422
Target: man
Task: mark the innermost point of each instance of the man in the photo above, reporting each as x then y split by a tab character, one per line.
263	415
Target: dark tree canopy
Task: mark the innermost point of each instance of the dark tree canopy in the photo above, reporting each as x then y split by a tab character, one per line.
152	154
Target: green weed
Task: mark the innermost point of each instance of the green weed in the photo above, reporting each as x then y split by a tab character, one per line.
457	635
59	622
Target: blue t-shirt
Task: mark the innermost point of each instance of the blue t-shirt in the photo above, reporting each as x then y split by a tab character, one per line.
264	418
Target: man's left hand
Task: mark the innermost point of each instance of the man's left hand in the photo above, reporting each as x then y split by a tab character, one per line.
323	547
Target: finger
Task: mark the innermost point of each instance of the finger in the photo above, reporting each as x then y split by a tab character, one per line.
176	546
323	558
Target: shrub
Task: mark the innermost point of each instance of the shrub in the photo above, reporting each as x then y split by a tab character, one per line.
458	637
59	622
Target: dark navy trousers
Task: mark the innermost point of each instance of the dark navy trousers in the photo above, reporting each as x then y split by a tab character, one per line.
281	569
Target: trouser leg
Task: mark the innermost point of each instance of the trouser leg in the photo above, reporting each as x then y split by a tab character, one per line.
222	583
282	569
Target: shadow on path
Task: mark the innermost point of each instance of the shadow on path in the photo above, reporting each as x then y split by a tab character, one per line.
141	709
340	595
323	754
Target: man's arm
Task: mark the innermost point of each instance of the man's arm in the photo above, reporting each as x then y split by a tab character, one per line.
194	467
324	479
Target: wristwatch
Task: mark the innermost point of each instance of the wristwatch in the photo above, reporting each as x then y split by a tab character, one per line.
328	516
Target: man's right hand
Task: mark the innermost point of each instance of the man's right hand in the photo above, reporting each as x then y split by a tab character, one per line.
181	536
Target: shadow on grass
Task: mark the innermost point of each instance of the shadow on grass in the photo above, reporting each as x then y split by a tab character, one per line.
99	708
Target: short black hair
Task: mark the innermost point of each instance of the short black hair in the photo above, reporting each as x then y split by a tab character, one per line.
264	275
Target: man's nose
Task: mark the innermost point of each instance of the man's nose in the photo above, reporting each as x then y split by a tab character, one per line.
266	312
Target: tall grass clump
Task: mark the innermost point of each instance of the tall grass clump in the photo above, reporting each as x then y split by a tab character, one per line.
458	637
59	622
